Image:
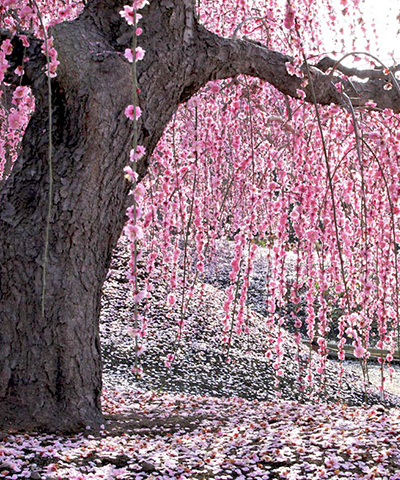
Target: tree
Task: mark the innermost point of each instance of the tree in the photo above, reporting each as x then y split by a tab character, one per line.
50	365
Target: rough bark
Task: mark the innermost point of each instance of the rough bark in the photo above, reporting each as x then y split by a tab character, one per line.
50	366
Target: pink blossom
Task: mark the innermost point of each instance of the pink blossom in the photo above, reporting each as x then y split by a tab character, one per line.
7	47
359	351
226	306
140	153
19	93
290	68
24	40
171	299
19	71
214	88
129	112
129	14
301	93
129	54
140	190
26	13
312	235
140	296
341	355
130	174
289	17
139	213
52	52
15	120
297	323
139	53
134	232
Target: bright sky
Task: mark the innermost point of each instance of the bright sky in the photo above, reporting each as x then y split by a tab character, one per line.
384	14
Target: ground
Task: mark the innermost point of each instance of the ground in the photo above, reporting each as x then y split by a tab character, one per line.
176	436
207	419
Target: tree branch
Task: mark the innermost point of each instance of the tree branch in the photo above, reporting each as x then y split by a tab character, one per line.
326	63
230	57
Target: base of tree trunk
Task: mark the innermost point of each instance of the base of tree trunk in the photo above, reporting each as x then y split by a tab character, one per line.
51	420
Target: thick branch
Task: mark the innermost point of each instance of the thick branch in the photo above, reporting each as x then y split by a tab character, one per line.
230	57
326	63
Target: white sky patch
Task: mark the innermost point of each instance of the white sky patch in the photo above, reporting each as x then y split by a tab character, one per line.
385	14
382	27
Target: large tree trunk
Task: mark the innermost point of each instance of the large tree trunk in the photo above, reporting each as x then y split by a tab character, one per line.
50	365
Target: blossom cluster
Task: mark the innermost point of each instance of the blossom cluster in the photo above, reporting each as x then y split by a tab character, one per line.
242	161
23	19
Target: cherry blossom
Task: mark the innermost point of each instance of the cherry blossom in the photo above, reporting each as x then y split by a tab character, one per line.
128	13
134	232
138	154
129	112
15	120
139	53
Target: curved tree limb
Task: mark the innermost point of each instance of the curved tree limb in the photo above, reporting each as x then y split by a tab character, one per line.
326	63
215	57
230	57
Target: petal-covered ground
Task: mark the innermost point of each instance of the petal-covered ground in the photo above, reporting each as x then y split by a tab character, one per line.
208	419
174	436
